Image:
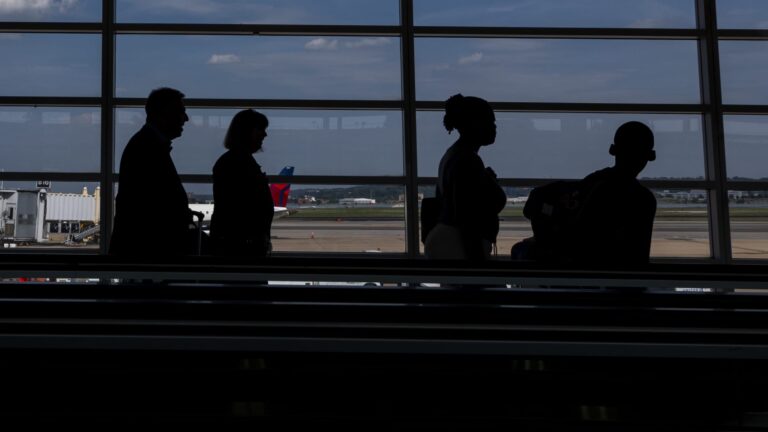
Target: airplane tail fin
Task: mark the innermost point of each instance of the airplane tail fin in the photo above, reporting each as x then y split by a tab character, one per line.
280	191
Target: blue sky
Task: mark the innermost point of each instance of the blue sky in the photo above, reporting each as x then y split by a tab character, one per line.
329	67
557	13
265	67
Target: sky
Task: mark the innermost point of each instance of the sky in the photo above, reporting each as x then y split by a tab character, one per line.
370	142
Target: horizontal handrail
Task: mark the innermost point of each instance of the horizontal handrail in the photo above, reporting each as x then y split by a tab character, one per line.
376	271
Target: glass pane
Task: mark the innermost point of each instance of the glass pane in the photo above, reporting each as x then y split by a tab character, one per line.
63	215
513	226
749	224
50	139
681	228
50	64
746	143
371	12
330	218
260	67
325	218
50	10
314	142
743	67
742	14
558	70
556	13
569	145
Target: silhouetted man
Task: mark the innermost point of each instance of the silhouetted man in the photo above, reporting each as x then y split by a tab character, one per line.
152	215
616	221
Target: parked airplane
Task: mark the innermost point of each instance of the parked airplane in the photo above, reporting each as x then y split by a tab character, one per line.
357	201
280	192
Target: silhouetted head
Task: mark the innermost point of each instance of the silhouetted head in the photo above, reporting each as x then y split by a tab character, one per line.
633	147
247	131
165	111
472	117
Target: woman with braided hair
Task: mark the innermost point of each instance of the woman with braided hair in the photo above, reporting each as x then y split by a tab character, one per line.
470	198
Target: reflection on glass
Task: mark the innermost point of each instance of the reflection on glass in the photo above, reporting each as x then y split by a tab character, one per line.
372	12
269	67
50	11
681	227
743	66
742	14
749	224
568	145
50	64
556	13
558	70
746	143
59	215
50	139
314	142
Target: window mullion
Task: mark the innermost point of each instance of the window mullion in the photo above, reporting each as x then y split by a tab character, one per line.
407	62
714	136
107	121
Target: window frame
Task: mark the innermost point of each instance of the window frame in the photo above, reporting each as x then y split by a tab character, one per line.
711	108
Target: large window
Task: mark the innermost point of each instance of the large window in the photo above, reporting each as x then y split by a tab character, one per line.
557	13
50	10
265	67
354	92
50	65
368	12
314	142
570	145
558	70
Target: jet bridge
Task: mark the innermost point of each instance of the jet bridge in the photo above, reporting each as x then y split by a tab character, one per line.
22	215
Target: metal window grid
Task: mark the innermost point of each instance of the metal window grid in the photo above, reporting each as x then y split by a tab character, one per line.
711	108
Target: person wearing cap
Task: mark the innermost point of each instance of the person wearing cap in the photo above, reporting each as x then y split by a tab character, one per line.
616	221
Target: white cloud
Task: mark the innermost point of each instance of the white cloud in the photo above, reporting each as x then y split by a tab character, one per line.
223	59
369	42
35	5
472	58
322	44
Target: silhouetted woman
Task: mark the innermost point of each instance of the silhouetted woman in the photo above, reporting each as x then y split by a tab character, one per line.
243	207
469	195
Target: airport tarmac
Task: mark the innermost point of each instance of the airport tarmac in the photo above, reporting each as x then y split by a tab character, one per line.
671	238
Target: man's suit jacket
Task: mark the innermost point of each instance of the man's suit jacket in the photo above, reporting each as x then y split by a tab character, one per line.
152	213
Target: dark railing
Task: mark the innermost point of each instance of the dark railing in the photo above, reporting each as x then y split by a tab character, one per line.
494	347
386	306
